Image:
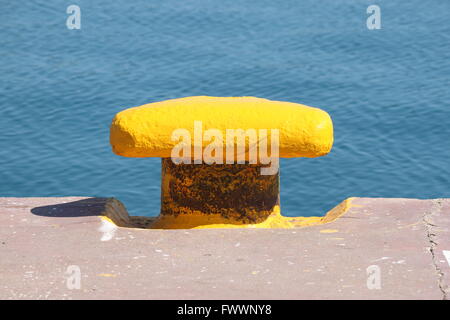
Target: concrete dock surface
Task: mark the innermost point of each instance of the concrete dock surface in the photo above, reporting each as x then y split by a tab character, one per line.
63	248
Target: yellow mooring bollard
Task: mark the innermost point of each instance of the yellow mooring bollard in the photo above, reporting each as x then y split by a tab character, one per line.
220	157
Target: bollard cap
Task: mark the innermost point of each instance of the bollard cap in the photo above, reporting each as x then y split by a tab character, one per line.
146	131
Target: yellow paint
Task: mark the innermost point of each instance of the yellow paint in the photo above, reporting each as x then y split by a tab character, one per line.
107	275
146	131
109	219
216	221
329	231
198	220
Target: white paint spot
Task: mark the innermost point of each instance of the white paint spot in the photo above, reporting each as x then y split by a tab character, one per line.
108	229
447	255
237	244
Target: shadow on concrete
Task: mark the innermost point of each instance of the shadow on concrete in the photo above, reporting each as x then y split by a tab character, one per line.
80	208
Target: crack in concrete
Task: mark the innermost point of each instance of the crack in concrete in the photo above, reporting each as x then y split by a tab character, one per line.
427	220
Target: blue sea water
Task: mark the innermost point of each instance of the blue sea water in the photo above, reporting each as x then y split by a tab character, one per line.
387	91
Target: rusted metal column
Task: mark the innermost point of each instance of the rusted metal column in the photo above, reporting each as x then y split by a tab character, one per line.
237	192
